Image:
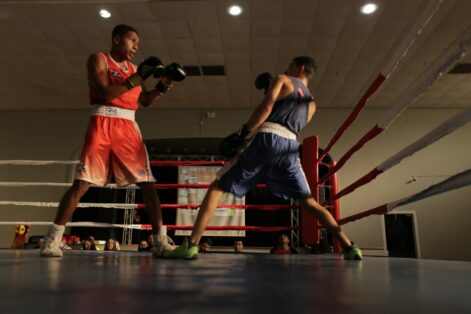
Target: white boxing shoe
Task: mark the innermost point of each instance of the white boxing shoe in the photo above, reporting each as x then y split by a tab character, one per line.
163	244
52	242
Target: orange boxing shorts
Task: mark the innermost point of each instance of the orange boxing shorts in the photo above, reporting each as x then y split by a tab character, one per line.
113	147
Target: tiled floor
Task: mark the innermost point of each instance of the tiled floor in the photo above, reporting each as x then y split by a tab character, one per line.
131	282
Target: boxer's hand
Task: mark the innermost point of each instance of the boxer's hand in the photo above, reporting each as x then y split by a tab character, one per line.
164	85
230	146
144	71
172	73
263	81
175	72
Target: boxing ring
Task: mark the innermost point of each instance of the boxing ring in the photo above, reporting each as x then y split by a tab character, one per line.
131	282
128	282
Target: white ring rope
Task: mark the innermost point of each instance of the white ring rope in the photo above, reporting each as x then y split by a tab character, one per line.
81	205
38	162
456	54
391	63
457	121
76	224
19	184
457	181
442	130
407	41
59	184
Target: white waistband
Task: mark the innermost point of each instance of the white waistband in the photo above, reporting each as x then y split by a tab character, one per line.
114	112
278	129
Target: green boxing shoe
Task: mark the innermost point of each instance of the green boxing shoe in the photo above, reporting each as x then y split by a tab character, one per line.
183	252
354	254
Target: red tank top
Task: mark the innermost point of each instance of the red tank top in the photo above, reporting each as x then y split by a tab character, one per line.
116	75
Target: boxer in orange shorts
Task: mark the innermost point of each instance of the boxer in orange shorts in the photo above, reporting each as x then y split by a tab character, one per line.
113	143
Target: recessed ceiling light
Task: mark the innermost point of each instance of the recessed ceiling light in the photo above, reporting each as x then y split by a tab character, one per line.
105	14
368	8
234	10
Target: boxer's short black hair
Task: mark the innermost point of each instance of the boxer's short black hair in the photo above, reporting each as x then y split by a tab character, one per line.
309	64
121	29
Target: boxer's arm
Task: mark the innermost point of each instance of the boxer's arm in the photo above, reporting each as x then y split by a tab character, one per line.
98	76
263	111
311	110
147	98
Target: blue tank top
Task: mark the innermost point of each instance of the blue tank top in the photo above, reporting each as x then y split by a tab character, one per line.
291	111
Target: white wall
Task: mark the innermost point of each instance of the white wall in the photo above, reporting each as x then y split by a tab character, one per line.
444	221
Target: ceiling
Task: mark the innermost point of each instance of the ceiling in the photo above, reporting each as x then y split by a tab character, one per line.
45	45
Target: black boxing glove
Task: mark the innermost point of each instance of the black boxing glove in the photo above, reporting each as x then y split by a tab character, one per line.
263	81
144	71
171	73
175	72
230	146
161	87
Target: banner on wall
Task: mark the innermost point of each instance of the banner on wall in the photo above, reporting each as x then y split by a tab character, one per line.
222	217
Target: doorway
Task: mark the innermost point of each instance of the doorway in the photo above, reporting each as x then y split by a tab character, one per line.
401	239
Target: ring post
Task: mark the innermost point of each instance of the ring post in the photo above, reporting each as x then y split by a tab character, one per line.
335	205
310	227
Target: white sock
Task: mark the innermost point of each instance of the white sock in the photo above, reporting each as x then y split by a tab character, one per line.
162	231
56	232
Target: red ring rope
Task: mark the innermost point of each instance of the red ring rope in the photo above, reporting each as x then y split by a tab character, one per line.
164	186
358	108
257	207
185	163
241	228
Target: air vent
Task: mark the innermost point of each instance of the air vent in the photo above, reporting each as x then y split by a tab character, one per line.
213	70
192	70
461	68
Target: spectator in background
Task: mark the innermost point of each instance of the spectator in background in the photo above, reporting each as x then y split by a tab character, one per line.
111	245
88	244
150	242
41	242
70	241
205	245
238	246
283	246
144	246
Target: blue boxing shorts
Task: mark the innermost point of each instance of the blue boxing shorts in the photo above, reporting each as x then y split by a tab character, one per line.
271	159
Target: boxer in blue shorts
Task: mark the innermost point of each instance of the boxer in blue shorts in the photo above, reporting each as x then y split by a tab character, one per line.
271	156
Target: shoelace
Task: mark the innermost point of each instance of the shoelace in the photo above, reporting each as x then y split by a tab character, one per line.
169	240
165	239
